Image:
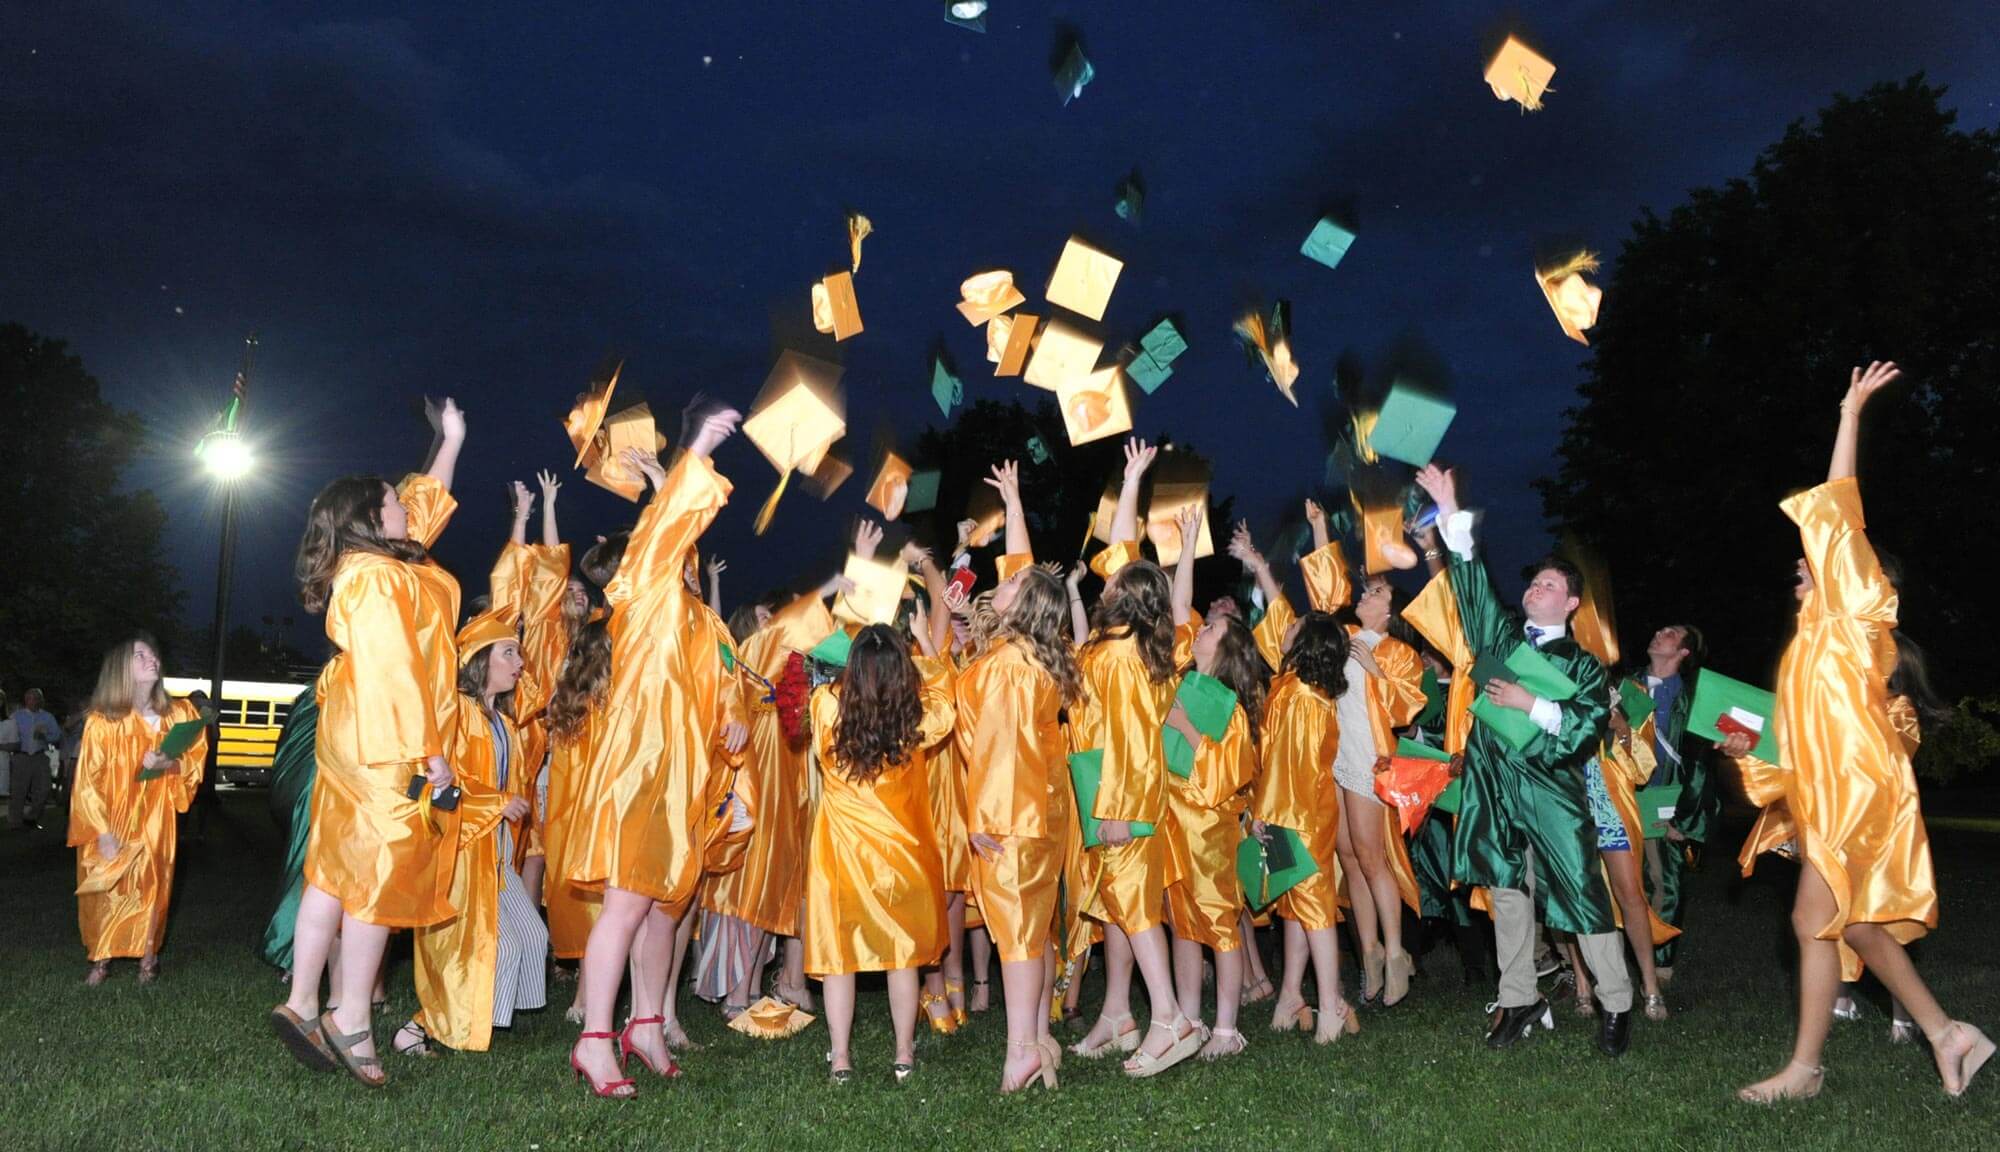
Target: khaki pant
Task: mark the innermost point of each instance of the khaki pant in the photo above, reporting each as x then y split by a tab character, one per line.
1514	942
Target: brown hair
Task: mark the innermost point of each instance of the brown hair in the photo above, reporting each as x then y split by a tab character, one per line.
880	705
600	564
585	676
117	696
743	621
1039	618
472	679
1240	664
345	517
1138	603
1318	655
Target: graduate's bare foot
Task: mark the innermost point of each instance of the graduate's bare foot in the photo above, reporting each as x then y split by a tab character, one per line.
979	996
677	1038
1960	1051
1024	1064
1335	1022
98	974
1291	1014
1109	1032
1223	1043
1795	1081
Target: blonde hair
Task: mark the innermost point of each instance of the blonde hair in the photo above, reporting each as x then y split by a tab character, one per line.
117	694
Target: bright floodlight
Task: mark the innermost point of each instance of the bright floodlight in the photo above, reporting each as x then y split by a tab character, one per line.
225	455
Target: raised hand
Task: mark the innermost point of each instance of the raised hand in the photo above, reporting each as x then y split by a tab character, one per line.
965	530
716	427
1138	457
524	501
914	554
717	566
1006	478
1244	548
551	484
867	538
446	418
899	492
1054	569
1441	485
644	463
1315	515
1864	383
1188	520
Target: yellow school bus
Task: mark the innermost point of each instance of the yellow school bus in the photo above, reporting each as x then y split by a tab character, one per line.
253	712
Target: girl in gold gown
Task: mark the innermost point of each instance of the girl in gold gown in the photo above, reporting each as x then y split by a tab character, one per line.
1865	888
122	807
635	831
1018	797
376	857
875	883
575	723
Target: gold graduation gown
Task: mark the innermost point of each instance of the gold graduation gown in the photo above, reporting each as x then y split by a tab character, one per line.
947	786
1296	790
121	902
572	908
635	825
1394	699
533	579
1208	806
455	959
1764	786
718	702
875	881
386	699
1850	789
766	891
1017	784
1625	769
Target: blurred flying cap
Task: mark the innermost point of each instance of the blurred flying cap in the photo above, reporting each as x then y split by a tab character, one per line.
1094	406
587	414
1163	342
1270	343
987	513
631	428
1064	353
859	228
799	412
1383	546
1327	242
834	307
987	295
1131	201
878	589
1180	480
1574	299
1595	625
1020	342
967	14
1410	425
829	476
923	492
1083	279
833	651
1518	73
882	490
947	389
1072	71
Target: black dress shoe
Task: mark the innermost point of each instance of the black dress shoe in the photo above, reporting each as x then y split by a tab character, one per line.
1514	1024
1614	1032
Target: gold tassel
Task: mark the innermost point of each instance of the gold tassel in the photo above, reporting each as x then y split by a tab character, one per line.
770	507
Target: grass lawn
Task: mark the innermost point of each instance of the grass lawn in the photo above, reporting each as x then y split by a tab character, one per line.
189	1062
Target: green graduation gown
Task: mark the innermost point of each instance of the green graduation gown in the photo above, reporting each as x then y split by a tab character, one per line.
293	770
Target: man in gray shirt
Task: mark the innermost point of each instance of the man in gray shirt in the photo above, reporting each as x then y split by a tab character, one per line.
35	731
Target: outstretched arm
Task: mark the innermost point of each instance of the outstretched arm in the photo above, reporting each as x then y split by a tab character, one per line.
1189	523
1125	521
524	503
1006	480
716	567
1079	619
1244	549
550	486
1861	385
447	436
1316	518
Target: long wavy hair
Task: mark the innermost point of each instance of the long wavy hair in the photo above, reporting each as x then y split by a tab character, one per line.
1139	603
345	517
1912	678
1318	654
743	621
117	695
880	705
601	562
1039	619
585	676
1240	665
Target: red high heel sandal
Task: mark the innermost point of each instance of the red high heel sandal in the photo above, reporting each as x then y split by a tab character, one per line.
610	1089
626	1050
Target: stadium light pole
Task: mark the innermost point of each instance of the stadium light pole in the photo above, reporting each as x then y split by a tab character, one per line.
227	458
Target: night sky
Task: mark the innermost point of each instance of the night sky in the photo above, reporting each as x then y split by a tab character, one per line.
486	204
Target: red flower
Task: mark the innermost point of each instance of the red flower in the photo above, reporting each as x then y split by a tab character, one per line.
793	690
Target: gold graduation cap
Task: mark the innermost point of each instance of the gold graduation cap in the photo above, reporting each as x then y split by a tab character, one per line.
1274	348
878	591
859	228
1094	406
987	295
587	414
796	418
1020	341
631	428
1518	73
1382	543
1595	625
1062	354
831	473
882	491
834	308
1180	480
998	330
1083	279
988	515
1574	299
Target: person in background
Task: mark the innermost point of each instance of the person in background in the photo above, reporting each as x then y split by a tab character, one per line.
35	731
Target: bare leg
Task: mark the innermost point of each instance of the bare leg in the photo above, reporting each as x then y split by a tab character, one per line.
1890	962
652	960
603	972
1291	978
952	969
1025	982
792	980
1115	1014
313	935
677	1036
1052	968
902	1011
1360	894
531	875
1073	991
1819	983
839	991
1187	977
1150	950
981	945
1325	948
1638	926
1256	978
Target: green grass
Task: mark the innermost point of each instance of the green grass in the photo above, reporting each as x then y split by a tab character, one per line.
188	1063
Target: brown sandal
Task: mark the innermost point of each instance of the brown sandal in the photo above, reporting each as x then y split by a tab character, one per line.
359	1067
302	1040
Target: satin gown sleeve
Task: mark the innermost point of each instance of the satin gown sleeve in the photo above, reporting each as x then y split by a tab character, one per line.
1328	588
940	681
427	507
1269	633
1434	614
1224	767
1007	565
396	717
1115	556
90	802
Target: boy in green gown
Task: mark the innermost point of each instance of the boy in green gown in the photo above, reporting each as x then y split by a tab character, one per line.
1525	830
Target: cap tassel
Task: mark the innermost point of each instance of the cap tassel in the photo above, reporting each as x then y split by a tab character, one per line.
1529	101
770	507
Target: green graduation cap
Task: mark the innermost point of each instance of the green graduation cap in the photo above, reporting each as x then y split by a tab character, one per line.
1147	372
1131	199
1073	73
833	650
1037	450
1411	424
1164	342
1273	866
946	389
1533	671
1086	771
1656	807
1722	704
922	493
967	14
1635	701
1327	243
1411	750
1209	704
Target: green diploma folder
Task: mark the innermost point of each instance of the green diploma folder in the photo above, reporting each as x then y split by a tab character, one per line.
1635	702
178	740
1447	800
1531	670
1270	867
1086	771
1209	703
1721	702
1656	807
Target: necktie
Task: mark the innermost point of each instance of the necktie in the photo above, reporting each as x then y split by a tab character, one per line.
1534	636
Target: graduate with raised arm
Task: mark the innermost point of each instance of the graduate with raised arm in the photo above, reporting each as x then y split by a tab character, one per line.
1866	888
538	584
635	831
1205	901
379	849
1127	667
1525	830
1020	809
943	999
